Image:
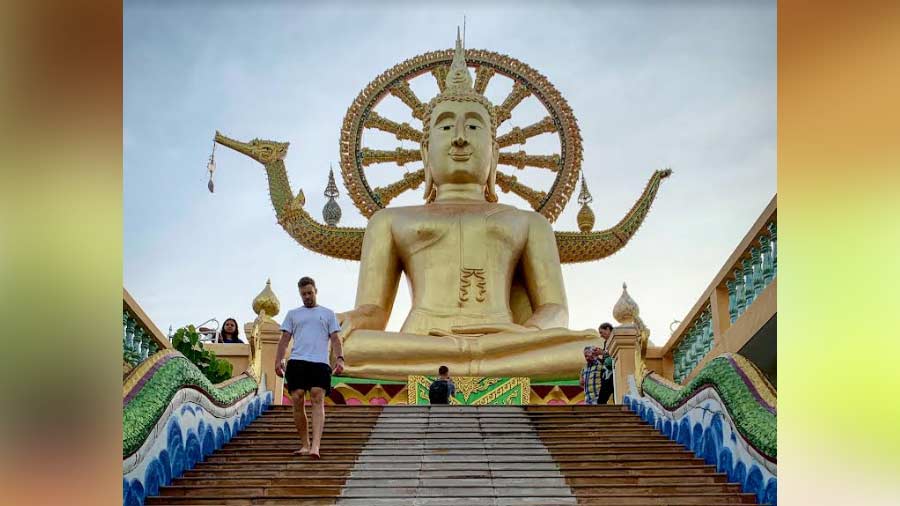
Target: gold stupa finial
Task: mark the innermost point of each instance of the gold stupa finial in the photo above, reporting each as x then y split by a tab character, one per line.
626	309
459	87
266	300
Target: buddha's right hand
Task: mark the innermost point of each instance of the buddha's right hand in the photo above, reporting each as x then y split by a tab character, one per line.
367	316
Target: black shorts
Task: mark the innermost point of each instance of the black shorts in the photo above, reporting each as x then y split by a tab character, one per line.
306	375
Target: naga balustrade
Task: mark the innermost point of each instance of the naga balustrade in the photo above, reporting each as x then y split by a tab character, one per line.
739	300
140	336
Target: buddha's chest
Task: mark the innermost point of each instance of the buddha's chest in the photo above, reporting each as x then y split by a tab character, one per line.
471	237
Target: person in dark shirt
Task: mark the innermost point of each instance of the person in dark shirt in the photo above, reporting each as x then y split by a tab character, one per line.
442	389
606	377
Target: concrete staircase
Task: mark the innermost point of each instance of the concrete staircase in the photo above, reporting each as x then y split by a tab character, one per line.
449	455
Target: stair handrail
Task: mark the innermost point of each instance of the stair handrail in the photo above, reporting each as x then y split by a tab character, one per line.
750	270
141	338
131	305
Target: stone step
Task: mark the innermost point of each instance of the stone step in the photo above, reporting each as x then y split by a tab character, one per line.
312	500
683	473
561	459
362	438
466	445
437	487
569	467
712	500
461	428
385	478
455	449
459	455
389	418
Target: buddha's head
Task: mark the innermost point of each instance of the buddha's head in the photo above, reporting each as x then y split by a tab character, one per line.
459	144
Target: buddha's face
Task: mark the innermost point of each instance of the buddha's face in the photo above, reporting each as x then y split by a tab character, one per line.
460	146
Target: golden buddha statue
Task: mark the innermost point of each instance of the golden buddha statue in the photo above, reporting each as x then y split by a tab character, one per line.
486	284
466	257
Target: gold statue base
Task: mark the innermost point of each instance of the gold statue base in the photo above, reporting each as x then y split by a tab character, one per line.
472	390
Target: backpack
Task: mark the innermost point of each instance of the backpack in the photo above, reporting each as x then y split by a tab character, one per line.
439	392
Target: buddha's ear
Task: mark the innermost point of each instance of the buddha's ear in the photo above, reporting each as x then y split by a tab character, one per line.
490	189
430	192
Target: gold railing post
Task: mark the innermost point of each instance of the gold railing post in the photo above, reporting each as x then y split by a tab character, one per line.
621	346
269	335
266	332
718	303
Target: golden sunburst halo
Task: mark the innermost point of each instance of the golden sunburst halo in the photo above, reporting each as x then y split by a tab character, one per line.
362	115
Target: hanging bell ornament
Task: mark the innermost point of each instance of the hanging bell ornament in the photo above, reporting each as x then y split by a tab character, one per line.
211	167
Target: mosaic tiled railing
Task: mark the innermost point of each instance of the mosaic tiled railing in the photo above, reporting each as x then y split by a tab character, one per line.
754	273
726	415
172	417
696	344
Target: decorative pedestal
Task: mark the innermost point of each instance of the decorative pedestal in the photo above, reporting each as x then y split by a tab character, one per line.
621	345
270	334
357	391
474	390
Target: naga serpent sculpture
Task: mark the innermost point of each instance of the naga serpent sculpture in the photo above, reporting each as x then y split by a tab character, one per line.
346	242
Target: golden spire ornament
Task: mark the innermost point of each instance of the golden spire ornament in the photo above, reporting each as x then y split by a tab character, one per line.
331	213
585	218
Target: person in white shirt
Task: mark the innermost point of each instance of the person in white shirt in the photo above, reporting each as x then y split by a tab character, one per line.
312	327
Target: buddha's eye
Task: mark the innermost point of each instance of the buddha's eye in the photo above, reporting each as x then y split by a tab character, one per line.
445	128
473	127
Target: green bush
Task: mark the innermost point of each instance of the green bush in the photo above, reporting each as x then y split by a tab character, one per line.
187	341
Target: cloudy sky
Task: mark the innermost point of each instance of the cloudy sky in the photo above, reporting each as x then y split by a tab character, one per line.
690	85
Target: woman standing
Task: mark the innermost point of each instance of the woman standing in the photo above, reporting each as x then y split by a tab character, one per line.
229	332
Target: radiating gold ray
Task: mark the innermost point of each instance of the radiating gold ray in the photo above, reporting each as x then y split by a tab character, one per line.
521	159
483	75
440	75
410	181
520	135
509	183
515	97
400	156
402	91
402	131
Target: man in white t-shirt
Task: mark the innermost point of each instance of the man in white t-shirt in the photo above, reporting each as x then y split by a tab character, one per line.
312	327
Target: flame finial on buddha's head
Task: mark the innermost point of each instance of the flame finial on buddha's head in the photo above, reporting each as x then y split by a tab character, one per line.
459	87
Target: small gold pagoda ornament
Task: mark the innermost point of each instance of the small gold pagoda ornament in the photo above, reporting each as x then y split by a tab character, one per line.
267	301
626	309
627	313
331	213
585	215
